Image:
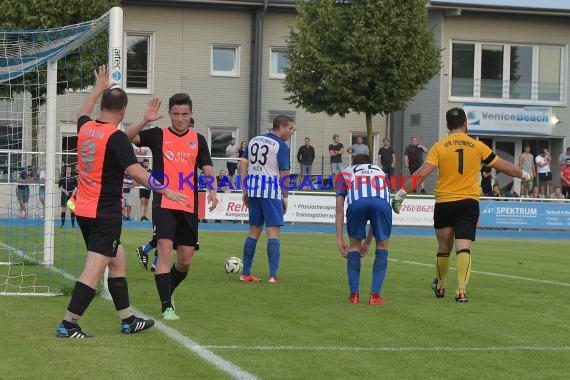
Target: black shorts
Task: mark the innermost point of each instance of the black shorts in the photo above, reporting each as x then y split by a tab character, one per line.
63	200
543	177
179	226
101	235
462	215
232	167
144	193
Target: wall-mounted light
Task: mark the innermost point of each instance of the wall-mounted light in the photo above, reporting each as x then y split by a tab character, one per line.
555	120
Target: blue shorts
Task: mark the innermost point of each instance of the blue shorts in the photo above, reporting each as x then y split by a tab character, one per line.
377	211
266	210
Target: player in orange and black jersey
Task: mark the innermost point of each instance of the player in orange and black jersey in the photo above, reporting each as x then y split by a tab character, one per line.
105	153
458	158
178	152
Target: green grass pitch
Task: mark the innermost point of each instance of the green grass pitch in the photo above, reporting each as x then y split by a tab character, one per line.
514	326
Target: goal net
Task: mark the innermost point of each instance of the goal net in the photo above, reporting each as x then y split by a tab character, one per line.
44	77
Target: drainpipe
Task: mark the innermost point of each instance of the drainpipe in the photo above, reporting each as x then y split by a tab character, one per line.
254	127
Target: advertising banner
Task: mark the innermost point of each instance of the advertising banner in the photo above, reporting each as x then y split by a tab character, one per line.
521	120
514	214
318	208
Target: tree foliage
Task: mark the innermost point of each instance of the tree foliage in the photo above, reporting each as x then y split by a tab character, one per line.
365	56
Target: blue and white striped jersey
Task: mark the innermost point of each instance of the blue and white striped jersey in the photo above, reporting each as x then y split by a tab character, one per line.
362	181
267	155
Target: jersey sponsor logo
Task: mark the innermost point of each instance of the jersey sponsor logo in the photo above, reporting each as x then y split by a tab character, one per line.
169	155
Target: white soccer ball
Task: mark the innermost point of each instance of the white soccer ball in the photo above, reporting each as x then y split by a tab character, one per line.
233	265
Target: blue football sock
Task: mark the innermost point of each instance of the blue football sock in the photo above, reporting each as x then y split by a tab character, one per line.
353	271
147	248
248	253
379	270
273	254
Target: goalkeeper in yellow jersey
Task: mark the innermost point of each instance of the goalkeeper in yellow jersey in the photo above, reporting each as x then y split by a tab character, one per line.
458	158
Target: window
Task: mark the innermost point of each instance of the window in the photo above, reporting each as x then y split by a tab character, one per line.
10	139
69	150
492	71
509	73
549	73
463	68
521	72
138	63
278	63
220	138
225	61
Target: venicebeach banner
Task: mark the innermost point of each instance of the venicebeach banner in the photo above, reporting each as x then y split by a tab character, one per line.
320	208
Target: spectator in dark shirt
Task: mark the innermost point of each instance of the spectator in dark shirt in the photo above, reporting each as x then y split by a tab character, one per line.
306	156
487	180
336	150
387	158
23	190
414	158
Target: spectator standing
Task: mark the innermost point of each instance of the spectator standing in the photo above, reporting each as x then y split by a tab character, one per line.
23	190
414	158
487	180
232	152
544	173
242	148
306	156
359	147
496	191
526	162
565	178
42	188
387	158
336	150
67	185
564	156
144	193
128	184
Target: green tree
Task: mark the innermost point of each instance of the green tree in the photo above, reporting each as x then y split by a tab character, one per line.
364	56
72	69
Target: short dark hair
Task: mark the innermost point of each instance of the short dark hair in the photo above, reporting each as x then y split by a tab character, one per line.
179	99
455	118
114	99
192	122
281	120
361	159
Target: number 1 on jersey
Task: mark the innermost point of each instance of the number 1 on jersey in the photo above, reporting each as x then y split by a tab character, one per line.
460	161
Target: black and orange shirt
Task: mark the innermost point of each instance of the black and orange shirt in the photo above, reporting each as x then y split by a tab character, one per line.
104	154
176	158
458	158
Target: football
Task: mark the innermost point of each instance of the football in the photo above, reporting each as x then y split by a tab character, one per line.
233	265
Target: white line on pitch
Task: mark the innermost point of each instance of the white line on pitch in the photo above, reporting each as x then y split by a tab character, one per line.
228	367
392	349
513	277
200	350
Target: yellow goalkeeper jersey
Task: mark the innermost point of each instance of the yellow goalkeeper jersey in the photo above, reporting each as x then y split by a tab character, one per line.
458	158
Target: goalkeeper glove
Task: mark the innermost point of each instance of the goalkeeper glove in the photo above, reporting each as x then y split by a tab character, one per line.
398	199
527	179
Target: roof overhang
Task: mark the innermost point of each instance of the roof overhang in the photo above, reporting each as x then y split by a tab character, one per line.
274	4
456	7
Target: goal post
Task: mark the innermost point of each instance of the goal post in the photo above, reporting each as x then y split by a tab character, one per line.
44	76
